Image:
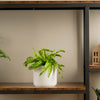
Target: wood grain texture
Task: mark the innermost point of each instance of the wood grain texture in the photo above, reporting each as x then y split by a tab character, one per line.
41	2
94	66
29	86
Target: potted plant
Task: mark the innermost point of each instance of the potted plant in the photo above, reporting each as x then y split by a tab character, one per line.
3	55
44	67
97	91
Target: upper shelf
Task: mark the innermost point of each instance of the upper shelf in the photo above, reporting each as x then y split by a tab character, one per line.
26	88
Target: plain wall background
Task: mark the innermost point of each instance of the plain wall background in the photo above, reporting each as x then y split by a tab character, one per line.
20	31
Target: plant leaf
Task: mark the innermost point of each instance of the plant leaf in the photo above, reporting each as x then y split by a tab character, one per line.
97	91
48	50
60	51
58	55
34	52
35	66
49	70
45	68
61	65
28	60
31	60
2	54
59	72
39	54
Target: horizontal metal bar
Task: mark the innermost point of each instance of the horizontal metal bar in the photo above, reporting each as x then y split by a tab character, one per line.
40	9
94	5
45	92
94	69
43	6
17	9
49	6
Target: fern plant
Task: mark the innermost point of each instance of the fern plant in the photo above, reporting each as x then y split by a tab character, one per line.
3	55
45	58
97	91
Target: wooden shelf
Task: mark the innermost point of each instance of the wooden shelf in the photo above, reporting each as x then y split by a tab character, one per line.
28	88
94	68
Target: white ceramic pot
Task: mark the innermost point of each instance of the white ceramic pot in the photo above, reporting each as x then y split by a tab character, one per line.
43	80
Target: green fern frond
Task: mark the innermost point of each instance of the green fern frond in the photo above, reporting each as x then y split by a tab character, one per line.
3	54
45	58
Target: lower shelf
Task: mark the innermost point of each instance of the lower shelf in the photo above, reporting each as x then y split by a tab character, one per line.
94	68
28	88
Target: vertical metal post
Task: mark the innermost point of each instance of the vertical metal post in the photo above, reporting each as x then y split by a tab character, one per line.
86	51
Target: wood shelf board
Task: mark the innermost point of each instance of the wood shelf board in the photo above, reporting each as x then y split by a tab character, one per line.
30	86
94	66
41	2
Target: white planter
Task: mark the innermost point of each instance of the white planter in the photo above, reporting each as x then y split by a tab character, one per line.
43	80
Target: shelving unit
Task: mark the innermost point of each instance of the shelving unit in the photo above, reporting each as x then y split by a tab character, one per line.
72	88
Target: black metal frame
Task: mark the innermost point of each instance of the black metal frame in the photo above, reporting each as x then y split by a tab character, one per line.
44	92
63	6
51	6
86	51
94	69
42	6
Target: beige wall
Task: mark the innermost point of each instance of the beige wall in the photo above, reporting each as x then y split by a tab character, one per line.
22	30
